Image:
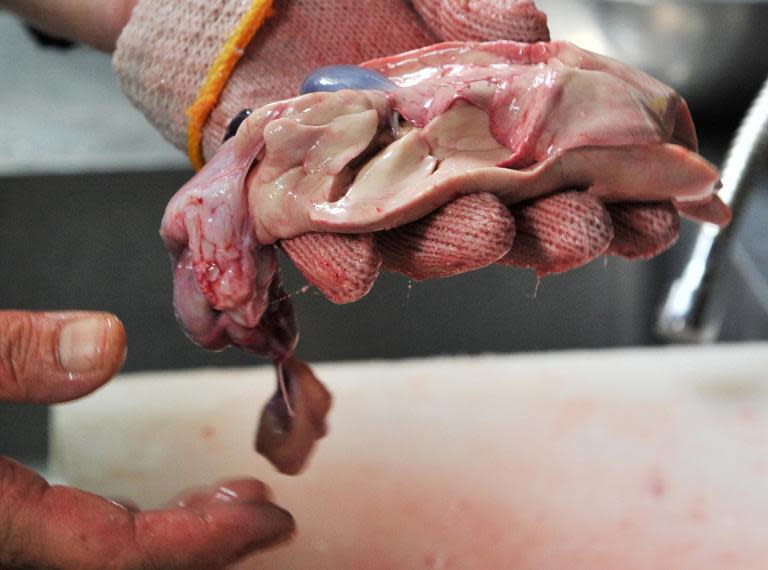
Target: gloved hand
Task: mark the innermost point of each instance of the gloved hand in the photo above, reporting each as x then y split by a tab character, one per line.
167	49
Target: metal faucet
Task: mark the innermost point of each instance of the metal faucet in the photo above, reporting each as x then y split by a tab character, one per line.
686	315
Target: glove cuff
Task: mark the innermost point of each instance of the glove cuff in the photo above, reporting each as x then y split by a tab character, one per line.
173	60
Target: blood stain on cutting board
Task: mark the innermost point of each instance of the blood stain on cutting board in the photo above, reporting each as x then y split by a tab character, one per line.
657	482
207	431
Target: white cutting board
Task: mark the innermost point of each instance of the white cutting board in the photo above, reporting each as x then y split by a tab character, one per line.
654	458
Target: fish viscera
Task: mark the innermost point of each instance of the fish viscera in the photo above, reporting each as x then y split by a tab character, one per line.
515	120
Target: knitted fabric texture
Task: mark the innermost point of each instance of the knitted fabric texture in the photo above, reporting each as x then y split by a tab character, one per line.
166	51
304	35
643	230
164	54
170	52
469	233
483	20
218	75
342	267
559	233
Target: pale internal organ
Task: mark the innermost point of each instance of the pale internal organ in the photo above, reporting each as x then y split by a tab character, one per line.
517	121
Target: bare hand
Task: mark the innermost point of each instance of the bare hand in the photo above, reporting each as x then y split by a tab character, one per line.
56	357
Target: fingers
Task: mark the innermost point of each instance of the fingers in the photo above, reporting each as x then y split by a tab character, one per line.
643	230
559	232
343	267
469	233
61	527
553	234
56	357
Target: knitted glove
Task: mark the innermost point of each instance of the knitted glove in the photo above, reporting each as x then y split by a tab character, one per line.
181	64
192	65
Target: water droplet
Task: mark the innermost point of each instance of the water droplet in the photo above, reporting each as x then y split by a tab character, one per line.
408	293
225	495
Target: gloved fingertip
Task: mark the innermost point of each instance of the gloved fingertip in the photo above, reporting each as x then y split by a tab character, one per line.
343	267
643	230
560	232
469	233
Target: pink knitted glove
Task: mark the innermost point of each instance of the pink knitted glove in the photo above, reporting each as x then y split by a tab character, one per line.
167	48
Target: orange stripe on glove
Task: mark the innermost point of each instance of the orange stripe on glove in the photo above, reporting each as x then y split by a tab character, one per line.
218	75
